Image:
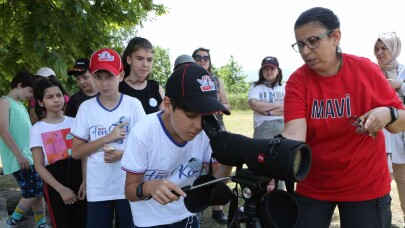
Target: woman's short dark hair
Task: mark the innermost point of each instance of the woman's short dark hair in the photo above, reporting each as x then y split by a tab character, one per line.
323	16
134	44
25	78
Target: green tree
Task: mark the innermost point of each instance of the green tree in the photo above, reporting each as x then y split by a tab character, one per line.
53	33
162	67
233	77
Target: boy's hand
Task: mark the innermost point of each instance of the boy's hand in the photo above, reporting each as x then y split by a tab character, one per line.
68	196
161	191
119	132
23	162
111	155
82	191
271	185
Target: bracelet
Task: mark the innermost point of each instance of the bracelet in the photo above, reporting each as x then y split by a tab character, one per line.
268	113
139	192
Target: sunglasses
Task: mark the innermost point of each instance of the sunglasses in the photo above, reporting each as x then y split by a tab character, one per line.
199	58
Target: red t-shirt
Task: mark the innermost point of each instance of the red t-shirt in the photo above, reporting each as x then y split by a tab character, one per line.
345	166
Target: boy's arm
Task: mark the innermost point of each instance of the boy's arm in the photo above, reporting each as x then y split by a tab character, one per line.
33	116
67	195
163	191
221	170
162	94
7	137
82	149
82	189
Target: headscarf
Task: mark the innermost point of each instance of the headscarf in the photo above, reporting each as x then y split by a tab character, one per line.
393	43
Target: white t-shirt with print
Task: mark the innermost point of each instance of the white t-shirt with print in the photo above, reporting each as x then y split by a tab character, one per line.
105	181
263	93
150	150
54	139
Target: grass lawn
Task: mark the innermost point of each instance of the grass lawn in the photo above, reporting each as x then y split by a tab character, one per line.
240	122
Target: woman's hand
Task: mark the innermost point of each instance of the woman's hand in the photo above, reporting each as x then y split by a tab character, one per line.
395	84
375	119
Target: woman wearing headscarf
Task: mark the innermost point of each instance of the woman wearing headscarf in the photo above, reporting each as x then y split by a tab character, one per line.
386	49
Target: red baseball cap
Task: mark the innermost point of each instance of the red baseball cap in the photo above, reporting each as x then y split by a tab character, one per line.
106	59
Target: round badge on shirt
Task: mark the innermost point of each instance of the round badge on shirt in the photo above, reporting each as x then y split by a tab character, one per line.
152	102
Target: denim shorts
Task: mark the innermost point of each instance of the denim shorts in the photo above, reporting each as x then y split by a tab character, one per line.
375	213
30	182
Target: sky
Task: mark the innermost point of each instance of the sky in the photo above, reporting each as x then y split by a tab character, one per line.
251	30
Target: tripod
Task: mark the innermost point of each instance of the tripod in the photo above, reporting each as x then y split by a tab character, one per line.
253	189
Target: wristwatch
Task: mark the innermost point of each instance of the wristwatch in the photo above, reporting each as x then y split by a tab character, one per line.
139	192
394	115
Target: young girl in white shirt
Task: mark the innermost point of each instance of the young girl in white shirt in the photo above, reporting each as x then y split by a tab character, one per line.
50	143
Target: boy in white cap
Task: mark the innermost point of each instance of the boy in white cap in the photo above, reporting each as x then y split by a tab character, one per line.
99	131
166	150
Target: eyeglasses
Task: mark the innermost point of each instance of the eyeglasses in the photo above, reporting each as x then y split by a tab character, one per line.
312	42
199	58
359	124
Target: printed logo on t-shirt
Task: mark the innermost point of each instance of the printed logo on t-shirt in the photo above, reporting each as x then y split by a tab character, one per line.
99	131
331	108
272	96
57	145
191	169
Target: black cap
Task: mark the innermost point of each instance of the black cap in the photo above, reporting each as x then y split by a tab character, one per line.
193	85
81	66
270	61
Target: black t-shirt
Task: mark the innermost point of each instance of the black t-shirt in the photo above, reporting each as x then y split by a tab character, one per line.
74	102
149	96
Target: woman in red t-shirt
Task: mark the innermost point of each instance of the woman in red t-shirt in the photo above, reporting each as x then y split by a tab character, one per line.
333	103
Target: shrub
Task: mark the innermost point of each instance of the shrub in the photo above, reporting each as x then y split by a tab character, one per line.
238	101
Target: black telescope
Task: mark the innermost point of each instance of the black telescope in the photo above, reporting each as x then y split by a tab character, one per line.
278	158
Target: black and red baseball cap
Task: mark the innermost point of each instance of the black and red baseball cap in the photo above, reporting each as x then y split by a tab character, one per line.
81	66
193	85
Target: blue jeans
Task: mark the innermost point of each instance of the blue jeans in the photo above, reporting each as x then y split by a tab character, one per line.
375	213
101	214
190	222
